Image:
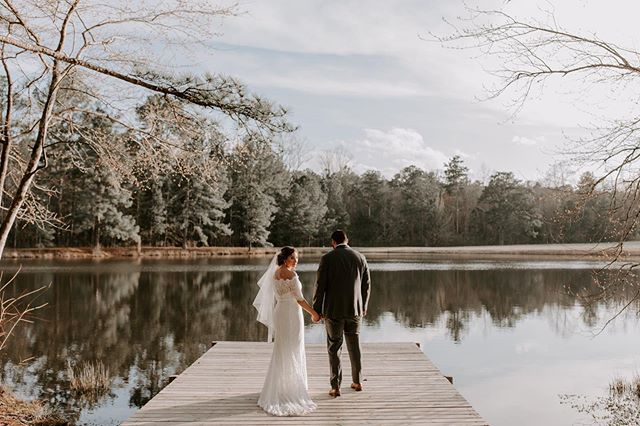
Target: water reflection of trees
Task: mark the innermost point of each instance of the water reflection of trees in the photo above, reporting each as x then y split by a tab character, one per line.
146	326
453	297
143	326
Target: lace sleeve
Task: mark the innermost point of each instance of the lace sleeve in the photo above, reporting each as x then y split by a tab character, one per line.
296	289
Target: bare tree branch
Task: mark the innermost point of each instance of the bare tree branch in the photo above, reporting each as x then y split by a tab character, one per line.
38	147
225	95
6	123
16	310
532	53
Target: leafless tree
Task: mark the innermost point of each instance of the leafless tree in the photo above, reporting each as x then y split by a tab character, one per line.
295	152
15	309
533	53
336	160
119	50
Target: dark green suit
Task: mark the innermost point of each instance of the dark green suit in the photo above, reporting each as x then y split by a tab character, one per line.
342	294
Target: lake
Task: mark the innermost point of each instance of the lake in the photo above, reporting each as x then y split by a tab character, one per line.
509	332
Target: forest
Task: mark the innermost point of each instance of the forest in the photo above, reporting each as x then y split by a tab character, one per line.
100	146
204	188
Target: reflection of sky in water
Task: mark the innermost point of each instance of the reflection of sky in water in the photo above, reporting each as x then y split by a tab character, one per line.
514	375
505	330
259	265
111	412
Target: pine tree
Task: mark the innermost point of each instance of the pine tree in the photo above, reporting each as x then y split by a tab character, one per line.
339	186
258	177
417	214
455	204
505	213
370	210
298	220
199	207
183	200
100	208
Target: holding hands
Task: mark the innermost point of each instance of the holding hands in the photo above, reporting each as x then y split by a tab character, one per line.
315	316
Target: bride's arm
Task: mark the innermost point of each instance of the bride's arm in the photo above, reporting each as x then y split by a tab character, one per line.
305	305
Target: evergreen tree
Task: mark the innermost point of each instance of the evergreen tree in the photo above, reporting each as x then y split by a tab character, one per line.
199	210
102	207
505	213
152	211
457	200
88	189
339	185
102	198
370	210
298	220
456	175
417	214
181	199
590	217
258	176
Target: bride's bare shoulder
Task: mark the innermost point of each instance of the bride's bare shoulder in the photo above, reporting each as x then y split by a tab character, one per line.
283	273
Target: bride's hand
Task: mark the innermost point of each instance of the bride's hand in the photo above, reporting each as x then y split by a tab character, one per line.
315	317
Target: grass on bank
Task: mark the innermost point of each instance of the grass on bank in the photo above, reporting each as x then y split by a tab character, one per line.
621	407
89	377
620	387
16	412
16	309
90	380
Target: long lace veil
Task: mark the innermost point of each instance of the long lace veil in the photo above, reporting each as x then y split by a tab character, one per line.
265	300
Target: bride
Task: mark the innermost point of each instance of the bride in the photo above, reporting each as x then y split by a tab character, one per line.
278	302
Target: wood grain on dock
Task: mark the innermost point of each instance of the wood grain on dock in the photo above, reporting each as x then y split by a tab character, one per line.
222	387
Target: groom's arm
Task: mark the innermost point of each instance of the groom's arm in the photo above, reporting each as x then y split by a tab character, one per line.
365	287
321	287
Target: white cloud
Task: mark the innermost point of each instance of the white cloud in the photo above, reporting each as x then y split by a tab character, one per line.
521	140
389	151
347	30
346	66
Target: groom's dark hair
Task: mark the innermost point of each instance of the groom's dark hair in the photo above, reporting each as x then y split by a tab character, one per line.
339	236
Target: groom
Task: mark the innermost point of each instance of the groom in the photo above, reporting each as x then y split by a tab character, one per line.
341	296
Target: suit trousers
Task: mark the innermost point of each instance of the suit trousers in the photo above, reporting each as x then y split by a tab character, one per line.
350	328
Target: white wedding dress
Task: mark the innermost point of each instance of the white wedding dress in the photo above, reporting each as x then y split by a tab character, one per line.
284	392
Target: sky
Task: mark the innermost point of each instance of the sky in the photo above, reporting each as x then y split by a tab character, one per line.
366	79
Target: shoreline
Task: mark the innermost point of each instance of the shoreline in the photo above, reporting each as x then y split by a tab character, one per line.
603	251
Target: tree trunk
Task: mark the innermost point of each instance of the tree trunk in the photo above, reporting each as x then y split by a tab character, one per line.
34	161
6	129
37	151
96	234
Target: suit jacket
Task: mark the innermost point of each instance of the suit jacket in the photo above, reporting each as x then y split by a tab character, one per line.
343	284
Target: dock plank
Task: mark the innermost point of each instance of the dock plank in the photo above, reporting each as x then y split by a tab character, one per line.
402	386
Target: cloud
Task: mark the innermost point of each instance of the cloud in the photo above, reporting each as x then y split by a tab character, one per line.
348	32
389	151
521	140
353	67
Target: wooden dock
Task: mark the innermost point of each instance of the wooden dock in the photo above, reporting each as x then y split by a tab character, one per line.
222	387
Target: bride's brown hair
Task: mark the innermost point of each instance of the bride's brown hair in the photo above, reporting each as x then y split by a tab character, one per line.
285	252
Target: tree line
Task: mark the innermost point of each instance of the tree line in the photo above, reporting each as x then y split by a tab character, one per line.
212	190
101	146
70	73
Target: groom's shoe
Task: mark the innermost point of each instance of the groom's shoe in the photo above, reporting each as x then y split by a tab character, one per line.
356	387
334	392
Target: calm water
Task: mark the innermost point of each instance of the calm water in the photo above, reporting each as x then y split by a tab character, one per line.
507	331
